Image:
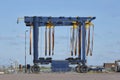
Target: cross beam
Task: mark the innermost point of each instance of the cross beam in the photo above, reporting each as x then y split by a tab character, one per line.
56	21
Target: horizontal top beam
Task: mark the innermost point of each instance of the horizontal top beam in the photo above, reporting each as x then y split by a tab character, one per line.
56	21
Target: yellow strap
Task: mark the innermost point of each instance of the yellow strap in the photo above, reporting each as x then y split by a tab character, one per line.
75	24
89	48
49	25
88	24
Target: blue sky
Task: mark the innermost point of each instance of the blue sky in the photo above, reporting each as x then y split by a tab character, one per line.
107	26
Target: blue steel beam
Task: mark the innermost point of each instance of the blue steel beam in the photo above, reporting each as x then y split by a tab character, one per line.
83	43
79	42
56	21
35	39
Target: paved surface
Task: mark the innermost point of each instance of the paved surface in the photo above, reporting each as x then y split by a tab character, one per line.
62	76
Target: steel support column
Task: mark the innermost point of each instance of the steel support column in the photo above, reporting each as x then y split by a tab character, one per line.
83	43
79	42
35	39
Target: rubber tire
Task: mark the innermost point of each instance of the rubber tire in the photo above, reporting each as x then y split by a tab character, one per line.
35	69
77	69
83	69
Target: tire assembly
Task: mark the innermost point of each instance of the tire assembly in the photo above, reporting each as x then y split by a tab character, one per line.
35	69
84	69
77	69
81	69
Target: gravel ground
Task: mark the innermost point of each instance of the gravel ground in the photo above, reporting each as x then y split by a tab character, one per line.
62	76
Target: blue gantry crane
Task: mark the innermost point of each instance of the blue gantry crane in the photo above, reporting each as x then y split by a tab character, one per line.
78	23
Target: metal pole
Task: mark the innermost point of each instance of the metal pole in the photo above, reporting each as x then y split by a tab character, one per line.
25	51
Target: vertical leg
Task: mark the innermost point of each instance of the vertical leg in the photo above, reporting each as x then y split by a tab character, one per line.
35	68
35	39
83	44
78	67
83	68
79	42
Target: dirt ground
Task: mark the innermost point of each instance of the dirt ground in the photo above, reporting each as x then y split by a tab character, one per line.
62	76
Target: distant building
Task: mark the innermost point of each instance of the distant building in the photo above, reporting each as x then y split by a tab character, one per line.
109	66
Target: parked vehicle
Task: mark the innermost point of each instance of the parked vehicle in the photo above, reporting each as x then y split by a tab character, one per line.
117	66
95	68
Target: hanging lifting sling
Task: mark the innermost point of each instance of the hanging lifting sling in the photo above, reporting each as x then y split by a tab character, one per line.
79	40
75	27
30	48
73	33
88	41
92	42
71	42
46	41
53	40
89	48
50	40
75	49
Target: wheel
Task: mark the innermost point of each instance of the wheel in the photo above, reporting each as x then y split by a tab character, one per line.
77	69
35	69
83	69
